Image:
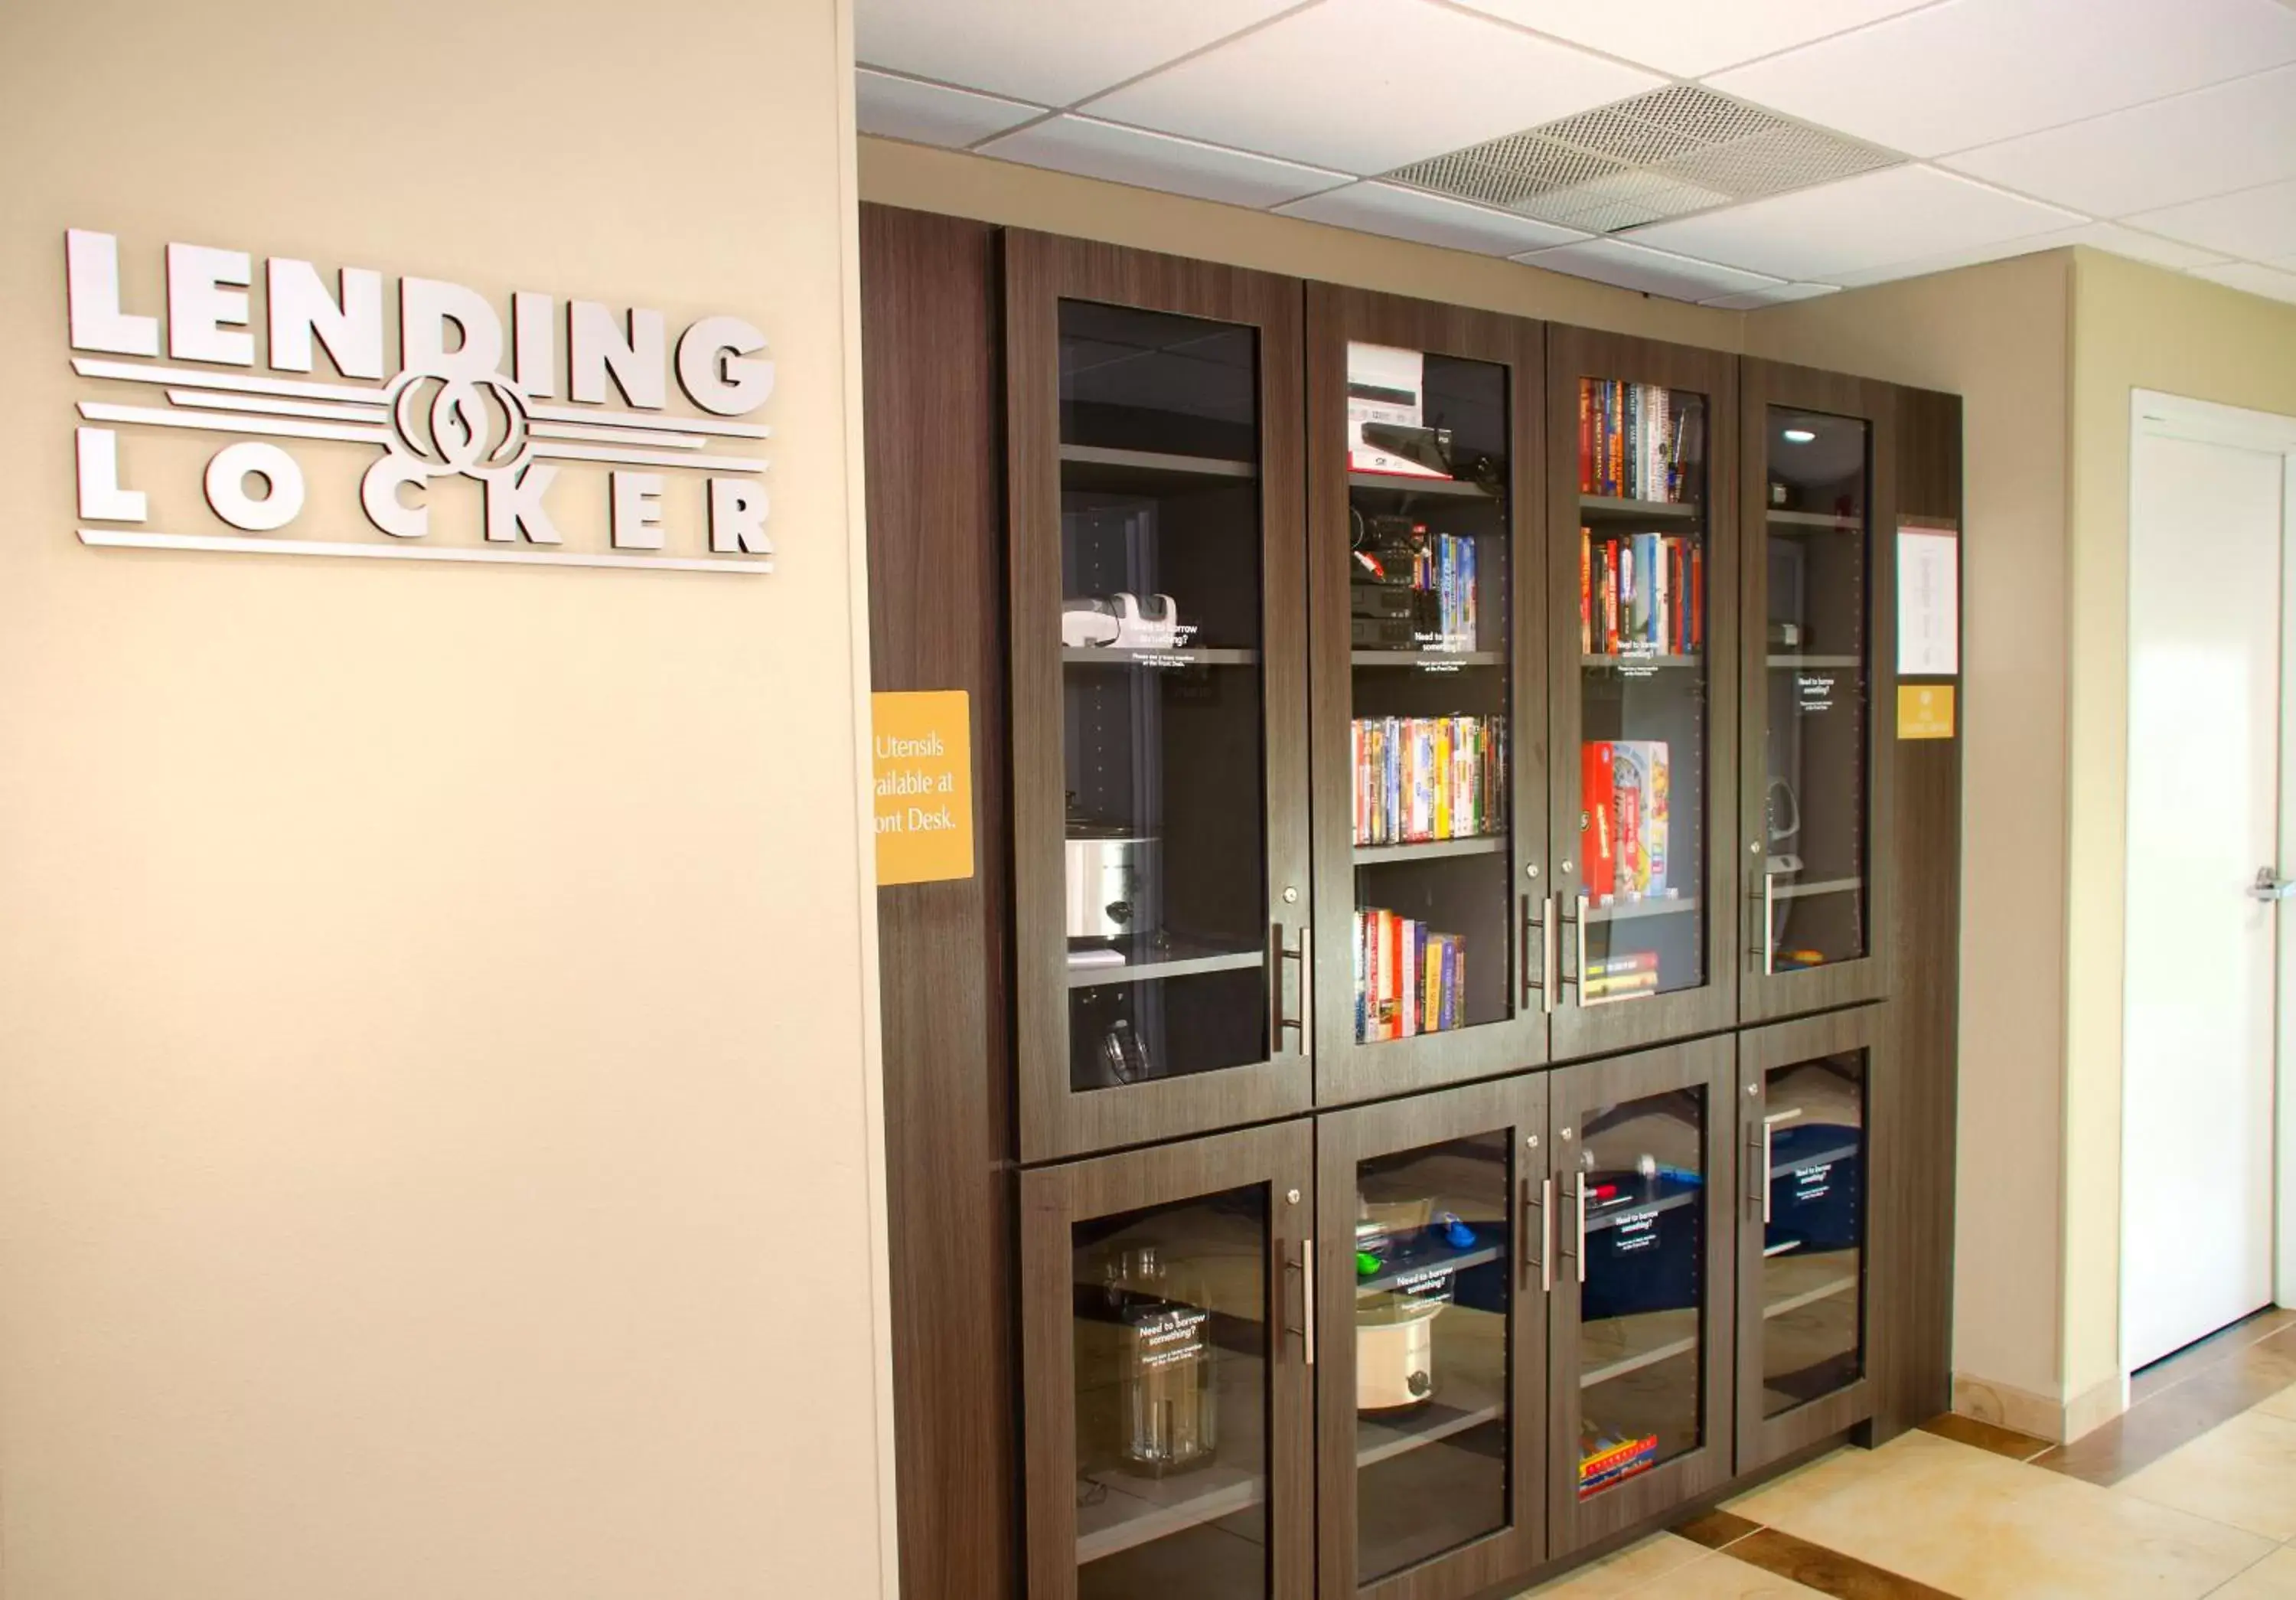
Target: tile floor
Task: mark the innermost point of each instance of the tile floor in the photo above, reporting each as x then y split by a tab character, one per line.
2192	1493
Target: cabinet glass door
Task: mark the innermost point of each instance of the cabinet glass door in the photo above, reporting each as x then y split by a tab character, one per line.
1166	1372
1159	797
1168	949
1642	1355
1816	669
1817	657
1804	1109
1435	1217
1650	762
1417	443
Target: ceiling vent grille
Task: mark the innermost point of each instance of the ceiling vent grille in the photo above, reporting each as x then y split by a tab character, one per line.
1664	153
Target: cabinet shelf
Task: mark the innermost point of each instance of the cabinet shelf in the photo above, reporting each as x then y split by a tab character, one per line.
1457	1260
1658	1325
1603	506
1134	1511
1434	849
1619	911
1095	655
1147	472
1460	1403
1401	483
1816	520
1802	891
1182	959
1430	660
1623	661
1818	661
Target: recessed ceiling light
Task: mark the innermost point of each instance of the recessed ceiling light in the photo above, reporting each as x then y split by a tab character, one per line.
1799	435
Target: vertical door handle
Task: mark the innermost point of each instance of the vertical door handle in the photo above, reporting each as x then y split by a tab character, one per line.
1306	1326
1767	1159
1756	1165
1282	956
1574	975
1581	1187
1545	1236
1770	925
1523	956
1546	956
1544	923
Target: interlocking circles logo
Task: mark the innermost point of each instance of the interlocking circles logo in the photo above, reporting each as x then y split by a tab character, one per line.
474	394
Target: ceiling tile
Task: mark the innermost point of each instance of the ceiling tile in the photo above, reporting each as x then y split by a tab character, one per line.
1973	72
1347	83
2259	223
1027	50
2269	281
1754	299
1375	207
1692	38
902	108
1871	220
2233	136
1975	255
1650	271
1152	160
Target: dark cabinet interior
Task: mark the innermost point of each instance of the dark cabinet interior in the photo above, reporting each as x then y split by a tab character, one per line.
1401	1103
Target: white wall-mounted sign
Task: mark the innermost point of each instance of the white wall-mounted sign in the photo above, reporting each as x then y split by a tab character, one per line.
471	393
1929	600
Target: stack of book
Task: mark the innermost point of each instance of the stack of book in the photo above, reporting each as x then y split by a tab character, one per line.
1409	979
1423	778
1636	440
1624	817
1443	585
1614	977
1641	592
1606	1457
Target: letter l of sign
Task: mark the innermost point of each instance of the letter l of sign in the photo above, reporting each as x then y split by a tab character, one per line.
92	284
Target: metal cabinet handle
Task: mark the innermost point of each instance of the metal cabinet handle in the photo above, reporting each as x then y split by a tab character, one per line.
1770	925
1756	1162
1543	924
1283	956
1573	974
2271	886
1545	1236
1546	956
1308	1299
1581	1187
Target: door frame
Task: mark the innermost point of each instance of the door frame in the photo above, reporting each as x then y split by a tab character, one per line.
2156	415
1053	1199
1345	1070
1344	1139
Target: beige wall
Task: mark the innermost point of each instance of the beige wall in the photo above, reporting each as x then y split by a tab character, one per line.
1998	335
2135	327
435	1145
957	184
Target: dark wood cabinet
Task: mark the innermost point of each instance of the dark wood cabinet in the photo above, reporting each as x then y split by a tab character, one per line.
1163	948
1642	465
1435	1261
1811	1155
1640	1339
1427	584
1818	644
1167	1350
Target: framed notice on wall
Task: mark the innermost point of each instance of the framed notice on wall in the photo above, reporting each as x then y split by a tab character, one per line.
1929	600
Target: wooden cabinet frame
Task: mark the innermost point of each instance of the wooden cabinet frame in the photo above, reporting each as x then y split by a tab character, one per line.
1344	1139
1345	1070
1763	996
1040	272
1053	1199
1580	1029
1763	1439
1573	1523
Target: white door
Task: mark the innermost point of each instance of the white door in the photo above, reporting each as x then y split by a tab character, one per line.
2204	612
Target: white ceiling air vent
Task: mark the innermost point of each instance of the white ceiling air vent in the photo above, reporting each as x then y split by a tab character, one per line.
1664	153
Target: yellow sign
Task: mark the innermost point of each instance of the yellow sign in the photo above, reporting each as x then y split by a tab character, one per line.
923	745
1924	710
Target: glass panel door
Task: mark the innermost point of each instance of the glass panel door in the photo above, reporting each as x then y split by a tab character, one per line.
1639	1189
1814	818
1430	532
1643	697
1162	690
1434	1293
1171	1334
1810	1134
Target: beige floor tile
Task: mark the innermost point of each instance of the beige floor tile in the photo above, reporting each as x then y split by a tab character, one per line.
2272	1579
2242	1472
1986	1528
2282	1404
1623	1574
1720	1578
1806	1486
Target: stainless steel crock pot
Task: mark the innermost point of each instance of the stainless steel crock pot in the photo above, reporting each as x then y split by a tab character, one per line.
1395	1351
1112	881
